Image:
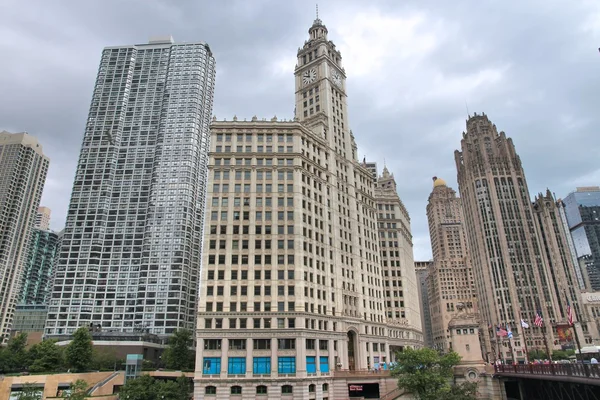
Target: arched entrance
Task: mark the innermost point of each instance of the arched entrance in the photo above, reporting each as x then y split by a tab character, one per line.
352	347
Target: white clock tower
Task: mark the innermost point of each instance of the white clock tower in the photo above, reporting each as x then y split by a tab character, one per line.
320	91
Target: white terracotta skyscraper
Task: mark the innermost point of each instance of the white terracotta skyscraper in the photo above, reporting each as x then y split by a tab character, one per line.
293	285
130	255
23	169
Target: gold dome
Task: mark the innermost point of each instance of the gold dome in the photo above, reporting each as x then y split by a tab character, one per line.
438	182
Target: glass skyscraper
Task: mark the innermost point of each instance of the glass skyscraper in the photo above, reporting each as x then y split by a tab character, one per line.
130	255
582	209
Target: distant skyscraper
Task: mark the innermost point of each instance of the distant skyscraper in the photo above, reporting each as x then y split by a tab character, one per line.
293	284
422	271
396	253
39	269
372	166
134	224
511	271
563	267
42	218
582	209
450	282
23	169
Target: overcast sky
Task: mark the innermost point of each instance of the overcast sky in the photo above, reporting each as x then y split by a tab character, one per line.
413	69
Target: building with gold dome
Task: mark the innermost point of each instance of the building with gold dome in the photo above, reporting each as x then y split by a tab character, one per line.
450	285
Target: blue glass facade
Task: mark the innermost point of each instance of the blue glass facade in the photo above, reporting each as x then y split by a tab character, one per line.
262	365
582	209
237	365
286	365
211	366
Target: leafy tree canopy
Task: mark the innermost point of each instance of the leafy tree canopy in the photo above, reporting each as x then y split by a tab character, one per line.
178	355
79	351
46	357
147	388
428	375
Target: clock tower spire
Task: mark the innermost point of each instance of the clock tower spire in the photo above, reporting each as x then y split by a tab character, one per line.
321	89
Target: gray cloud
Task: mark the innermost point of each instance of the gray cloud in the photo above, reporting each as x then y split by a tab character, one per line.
412	69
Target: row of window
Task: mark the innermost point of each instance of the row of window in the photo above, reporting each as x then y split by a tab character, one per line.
265	344
262	365
259	149
260	137
261	389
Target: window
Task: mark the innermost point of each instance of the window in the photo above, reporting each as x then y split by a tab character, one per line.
236	390
212	344
325	387
286	344
287	389
236	344
324	363
261	389
311	366
237	365
310	344
312	388
211	366
286	365
210	390
261	366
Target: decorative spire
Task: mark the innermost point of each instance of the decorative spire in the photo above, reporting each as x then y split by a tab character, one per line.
317	21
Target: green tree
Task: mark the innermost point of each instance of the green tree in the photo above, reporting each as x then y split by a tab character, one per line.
147	388
537	354
427	374
30	392
178	355
463	391
79	351
141	388
77	391
562	354
46	357
105	360
14	356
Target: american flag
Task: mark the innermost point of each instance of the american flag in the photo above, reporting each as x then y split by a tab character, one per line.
539	321
569	313
500	331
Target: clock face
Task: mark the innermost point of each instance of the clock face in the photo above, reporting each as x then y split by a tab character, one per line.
309	76
336	78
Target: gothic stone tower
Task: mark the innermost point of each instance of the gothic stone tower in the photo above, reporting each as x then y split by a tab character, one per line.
511	273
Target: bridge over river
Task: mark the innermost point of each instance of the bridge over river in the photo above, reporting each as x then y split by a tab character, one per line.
550	381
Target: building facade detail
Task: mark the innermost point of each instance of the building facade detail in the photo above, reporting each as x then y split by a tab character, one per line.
422	271
450	282
23	167
130	256
511	261
293	286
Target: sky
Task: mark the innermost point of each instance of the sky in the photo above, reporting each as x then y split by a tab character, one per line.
415	70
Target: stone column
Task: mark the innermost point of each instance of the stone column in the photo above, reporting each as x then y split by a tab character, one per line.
343	352
224	348
273	357
199	358
301	356
249	359
317	357
331	356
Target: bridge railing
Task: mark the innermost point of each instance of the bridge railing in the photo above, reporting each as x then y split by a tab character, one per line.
576	370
